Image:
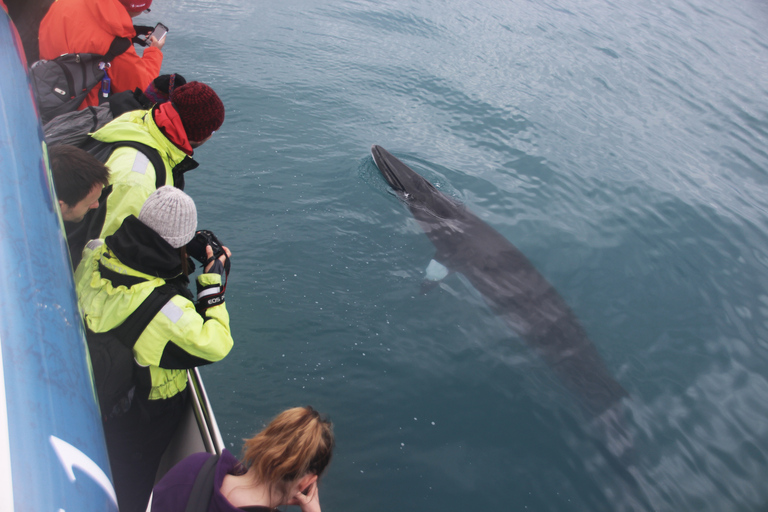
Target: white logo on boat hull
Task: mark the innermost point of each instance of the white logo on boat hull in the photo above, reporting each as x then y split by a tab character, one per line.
71	457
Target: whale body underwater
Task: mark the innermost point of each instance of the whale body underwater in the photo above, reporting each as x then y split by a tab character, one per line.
508	282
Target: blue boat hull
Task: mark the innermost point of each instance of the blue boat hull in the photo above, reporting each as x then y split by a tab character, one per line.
52	451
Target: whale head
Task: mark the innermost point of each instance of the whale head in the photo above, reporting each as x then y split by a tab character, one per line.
413	189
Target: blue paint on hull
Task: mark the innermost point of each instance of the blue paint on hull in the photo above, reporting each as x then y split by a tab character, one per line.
48	388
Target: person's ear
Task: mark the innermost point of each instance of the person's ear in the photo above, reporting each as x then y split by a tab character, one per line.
63	207
306	481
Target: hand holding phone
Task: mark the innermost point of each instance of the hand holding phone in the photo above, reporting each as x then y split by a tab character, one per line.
157	38
159	31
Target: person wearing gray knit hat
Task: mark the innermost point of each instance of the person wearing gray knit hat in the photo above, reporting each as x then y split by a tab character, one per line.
144	267
171	214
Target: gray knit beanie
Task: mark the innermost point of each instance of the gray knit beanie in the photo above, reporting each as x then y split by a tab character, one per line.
171	214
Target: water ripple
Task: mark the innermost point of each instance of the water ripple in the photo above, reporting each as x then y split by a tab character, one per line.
620	145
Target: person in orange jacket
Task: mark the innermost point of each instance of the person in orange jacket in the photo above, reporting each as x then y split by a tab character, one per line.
90	26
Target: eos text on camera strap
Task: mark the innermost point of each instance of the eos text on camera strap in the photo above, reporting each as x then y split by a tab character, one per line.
209	296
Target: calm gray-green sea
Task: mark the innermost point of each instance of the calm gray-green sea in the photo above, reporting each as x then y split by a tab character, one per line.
620	145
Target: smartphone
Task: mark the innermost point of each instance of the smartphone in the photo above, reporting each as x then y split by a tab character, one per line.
159	31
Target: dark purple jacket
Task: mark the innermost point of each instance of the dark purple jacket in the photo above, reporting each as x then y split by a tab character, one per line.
172	492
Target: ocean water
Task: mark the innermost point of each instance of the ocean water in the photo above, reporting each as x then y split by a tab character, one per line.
620	145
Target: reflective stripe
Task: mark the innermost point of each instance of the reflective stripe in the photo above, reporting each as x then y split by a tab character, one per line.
95	244
172	311
140	163
209	291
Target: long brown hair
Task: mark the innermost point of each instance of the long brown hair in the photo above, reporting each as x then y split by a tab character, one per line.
297	442
184	260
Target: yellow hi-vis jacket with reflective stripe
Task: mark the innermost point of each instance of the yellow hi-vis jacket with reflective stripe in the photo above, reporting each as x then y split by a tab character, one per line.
177	334
131	174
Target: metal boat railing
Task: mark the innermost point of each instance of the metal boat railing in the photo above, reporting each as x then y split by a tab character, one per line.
206	421
197	431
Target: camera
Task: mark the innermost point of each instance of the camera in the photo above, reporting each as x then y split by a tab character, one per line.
196	247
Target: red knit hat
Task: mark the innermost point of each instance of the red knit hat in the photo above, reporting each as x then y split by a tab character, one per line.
200	109
136	5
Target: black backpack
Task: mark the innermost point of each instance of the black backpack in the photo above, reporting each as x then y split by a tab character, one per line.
74	128
60	85
117	376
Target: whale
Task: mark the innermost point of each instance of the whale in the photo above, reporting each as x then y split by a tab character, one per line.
508	282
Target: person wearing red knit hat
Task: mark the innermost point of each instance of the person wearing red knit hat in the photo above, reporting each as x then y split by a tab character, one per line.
174	130
90	26
200	109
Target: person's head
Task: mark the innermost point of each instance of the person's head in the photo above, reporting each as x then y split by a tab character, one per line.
161	88
78	178
291	452
200	109
172	214
135	7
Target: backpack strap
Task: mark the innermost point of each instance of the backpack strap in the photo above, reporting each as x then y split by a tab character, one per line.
129	331
118	46
117	375
151	153
202	489
103	150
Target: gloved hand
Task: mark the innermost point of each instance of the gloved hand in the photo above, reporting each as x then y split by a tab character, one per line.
218	265
142	30
209	295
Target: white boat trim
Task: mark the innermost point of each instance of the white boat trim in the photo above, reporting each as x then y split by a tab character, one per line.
6	482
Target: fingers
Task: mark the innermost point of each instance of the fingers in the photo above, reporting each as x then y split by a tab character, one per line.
305	496
157	44
311	501
309	492
209	256
223	257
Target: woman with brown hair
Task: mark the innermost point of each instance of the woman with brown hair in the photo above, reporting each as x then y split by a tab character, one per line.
281	466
